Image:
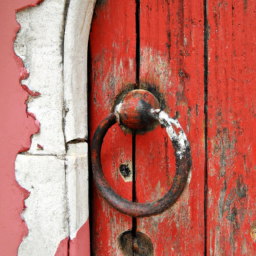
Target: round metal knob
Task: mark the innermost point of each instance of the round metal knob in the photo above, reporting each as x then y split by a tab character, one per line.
135	109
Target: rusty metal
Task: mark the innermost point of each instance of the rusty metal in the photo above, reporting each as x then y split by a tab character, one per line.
135	110
141	245
134	209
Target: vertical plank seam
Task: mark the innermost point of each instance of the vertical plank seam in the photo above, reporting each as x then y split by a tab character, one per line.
206	37
137	24
138	60
134	220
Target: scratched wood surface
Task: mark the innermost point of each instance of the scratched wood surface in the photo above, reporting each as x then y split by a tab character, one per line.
231	211
112	58
172	48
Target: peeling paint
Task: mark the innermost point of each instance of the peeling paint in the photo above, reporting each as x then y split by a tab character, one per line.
46	207
39	44
180	139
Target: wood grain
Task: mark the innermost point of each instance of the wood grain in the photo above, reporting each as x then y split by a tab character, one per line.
172	48
112	58
231	208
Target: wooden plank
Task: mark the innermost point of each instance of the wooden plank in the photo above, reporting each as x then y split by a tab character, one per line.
172	49
231	208
112	54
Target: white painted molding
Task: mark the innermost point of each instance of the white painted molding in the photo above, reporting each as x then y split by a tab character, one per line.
77	31
39	44
77	186
58	181
46	214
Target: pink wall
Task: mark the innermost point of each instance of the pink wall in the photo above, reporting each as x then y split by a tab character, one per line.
16	128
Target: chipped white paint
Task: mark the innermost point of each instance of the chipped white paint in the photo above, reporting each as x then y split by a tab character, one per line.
39	44
189	179
117	111
58	204
180	138
77	186
46	212
157	67
164	119
118	108
75	68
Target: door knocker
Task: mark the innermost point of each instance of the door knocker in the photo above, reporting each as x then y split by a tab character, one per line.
139	110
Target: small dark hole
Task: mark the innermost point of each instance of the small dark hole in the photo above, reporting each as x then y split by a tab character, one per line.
125	171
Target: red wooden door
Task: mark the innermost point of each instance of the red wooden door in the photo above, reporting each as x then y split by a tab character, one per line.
198	57
231	135
113	66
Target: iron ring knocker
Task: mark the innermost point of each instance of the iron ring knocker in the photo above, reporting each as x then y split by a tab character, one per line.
182	154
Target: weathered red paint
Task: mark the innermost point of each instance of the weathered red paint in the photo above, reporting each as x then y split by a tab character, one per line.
172	60
112	57
16	128
231	209
172	48
172	64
